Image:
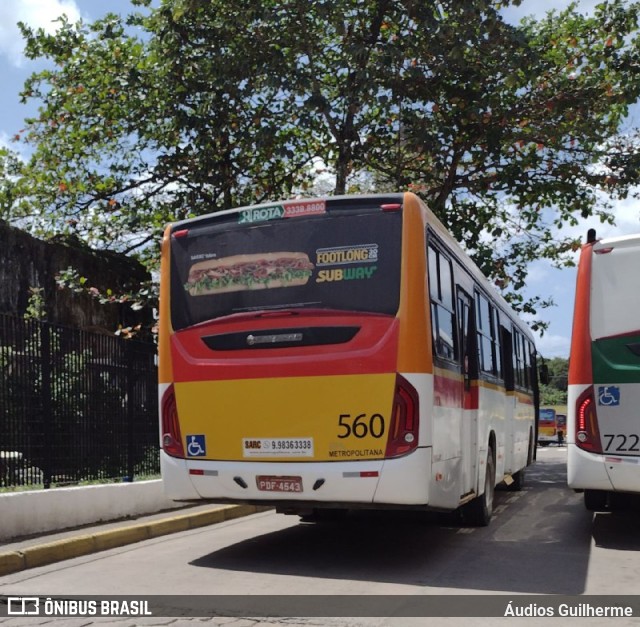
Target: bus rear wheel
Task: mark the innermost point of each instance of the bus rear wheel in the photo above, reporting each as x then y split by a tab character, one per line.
479	511
518	481
596	500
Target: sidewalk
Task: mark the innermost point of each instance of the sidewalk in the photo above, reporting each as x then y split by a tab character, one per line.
30	552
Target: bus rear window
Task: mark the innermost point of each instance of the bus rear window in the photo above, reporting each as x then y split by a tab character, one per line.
338	261
615	297
547	415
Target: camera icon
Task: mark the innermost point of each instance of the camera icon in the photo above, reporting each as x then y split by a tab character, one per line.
23	606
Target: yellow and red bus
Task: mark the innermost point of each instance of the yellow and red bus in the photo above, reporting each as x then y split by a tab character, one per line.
603	425
552	425
547	426
332	354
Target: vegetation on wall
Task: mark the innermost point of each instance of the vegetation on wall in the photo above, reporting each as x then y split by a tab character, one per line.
555	392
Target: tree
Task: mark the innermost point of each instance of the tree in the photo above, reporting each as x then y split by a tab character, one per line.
555	392
509	133
10	167
514	135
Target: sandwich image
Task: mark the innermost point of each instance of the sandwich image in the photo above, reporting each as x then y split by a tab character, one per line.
248	272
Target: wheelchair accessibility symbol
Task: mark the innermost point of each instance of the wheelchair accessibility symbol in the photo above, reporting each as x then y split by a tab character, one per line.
609	395
196	446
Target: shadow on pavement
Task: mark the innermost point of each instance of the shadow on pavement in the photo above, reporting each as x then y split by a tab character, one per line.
619	529
538	543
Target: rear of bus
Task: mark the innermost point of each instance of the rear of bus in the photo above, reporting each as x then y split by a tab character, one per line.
603	427
293	355
547	426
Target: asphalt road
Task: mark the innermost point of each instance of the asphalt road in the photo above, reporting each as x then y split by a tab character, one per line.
542	541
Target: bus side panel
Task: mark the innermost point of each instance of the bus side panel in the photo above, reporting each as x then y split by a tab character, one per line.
434	474
445	416
491	420
415	340
523	423
509	418
165	364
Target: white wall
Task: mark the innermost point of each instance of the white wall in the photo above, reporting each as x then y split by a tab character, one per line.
38	511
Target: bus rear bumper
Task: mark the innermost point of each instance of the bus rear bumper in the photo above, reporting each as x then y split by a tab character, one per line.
175	479
623	472
587	471
402	481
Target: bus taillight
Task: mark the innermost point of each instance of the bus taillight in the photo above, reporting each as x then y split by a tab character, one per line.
403	430
587	433
171	438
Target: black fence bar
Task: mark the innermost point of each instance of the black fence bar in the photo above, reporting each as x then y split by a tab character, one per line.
46	405
75	406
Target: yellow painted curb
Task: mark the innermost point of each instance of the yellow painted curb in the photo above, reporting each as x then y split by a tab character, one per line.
11	563
82	545
202	519
171	525
43	554
238	511
120	537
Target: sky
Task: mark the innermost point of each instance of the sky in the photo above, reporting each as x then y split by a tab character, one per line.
543	280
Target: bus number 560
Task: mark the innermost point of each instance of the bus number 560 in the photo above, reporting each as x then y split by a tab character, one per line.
361	425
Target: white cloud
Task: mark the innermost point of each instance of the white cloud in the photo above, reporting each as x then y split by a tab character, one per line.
539	8
553	345
627	217
538	272
35	13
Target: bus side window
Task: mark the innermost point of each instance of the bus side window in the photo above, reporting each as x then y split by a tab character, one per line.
507	358
466	333
485	324
519	359
442	305
529	365
497	342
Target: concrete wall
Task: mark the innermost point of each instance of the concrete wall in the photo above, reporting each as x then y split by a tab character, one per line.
39	511
27	262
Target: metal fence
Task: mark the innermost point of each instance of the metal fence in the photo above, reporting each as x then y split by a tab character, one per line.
75	406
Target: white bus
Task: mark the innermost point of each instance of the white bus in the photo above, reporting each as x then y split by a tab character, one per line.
332	354
604	373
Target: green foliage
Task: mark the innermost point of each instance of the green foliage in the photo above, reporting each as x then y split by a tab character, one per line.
10	169
555	392
36	306
509	133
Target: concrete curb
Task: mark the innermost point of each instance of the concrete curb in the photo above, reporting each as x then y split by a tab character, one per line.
40	555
